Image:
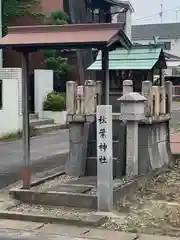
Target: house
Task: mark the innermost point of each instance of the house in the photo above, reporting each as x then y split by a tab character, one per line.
167	34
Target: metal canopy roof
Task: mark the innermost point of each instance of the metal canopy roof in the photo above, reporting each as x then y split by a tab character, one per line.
123	4
136	58
66	36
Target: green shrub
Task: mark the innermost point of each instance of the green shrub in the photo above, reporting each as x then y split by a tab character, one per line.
17	135
55	102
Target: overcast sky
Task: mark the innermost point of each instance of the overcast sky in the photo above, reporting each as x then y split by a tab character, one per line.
146	11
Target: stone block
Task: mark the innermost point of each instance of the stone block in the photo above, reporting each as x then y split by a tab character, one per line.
70	97
127	86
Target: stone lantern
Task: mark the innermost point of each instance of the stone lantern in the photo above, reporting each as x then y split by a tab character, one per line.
132	111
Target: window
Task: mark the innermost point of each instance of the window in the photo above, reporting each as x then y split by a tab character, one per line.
1	94
167	45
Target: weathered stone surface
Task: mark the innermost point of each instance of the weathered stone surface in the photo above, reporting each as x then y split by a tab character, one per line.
127	86
84	181
105	235
74	164
70	189
19	225
104	158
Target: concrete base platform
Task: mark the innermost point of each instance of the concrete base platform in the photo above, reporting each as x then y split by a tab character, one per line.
63	191
84	220
73	193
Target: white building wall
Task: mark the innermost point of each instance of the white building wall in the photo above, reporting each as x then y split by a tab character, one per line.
43	84
175	45
175	49
128	25
128	20
10	114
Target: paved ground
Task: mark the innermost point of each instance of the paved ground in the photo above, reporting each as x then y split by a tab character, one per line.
27	230
175	121
11	155
175	142
175	124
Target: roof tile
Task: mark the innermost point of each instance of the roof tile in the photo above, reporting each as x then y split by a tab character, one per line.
163	31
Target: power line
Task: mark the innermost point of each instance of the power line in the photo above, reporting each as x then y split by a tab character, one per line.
156	14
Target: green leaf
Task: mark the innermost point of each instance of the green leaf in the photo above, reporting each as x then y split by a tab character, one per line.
55	102
12	9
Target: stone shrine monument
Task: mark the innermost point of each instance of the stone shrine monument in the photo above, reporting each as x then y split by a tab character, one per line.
140	131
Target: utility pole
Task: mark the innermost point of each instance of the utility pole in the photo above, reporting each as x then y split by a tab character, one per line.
161	13
177	15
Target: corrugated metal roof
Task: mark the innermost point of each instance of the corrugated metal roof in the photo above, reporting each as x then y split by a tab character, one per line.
72	36
135	59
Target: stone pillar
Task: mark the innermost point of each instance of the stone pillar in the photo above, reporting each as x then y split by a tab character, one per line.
146	92
74	103
70	97
75	163
162	100
132	111
127	86
80	100
156	102
168	90
104	158
89	97
81	106
99	92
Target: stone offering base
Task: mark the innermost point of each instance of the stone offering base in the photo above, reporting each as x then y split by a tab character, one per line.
67	200
63	191
76	192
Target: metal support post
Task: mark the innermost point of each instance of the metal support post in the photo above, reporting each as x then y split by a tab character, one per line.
26	127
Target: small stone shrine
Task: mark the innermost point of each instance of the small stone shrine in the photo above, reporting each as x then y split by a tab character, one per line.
140	136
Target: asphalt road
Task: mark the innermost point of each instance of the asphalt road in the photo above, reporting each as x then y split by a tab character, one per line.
42	148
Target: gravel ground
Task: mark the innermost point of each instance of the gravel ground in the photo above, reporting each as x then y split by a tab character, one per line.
64	179
154	208
51	210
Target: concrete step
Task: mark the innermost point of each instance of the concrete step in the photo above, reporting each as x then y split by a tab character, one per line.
33	116
39	122
47	128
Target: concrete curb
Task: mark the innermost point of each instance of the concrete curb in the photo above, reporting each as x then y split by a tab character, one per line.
48	178
91	220
55	198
